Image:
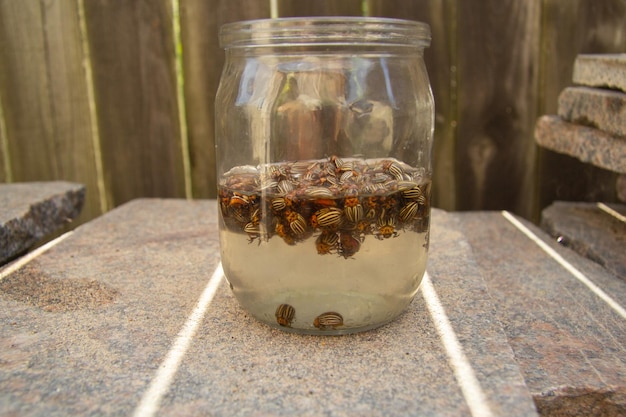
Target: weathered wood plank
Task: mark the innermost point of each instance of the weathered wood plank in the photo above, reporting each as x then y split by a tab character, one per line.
132	50
484	161
45	99
24	89
440	59
289	8
498	67
202	66
5	161
571	28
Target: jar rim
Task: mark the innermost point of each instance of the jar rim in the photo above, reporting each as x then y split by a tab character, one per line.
334	30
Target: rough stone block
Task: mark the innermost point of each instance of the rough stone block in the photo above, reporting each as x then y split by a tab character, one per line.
590	231
585	143
33	210
601	70
603	109
129	282
568	341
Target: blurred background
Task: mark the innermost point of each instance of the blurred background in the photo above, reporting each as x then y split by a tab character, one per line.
119	94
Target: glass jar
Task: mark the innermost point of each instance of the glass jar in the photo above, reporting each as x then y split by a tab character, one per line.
324	132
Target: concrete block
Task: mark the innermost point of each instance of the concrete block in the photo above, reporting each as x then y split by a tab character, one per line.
30	211
601	70
585	143
594	107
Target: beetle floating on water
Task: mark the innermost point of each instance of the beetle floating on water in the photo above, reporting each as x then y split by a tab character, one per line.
338	201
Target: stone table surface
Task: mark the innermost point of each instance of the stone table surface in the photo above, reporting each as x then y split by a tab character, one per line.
564	315
112	320
130	314
30	211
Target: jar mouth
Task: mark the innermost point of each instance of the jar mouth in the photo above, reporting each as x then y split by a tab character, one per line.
321	31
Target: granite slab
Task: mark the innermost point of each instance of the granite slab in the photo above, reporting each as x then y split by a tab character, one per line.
585	143
568	338
590	231
100	325
34	210
595	107
601	70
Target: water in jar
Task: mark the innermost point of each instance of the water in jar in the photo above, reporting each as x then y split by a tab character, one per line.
325	246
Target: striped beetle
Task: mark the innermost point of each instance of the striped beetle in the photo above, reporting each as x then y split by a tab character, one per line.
347	175
285	187
394	169
278	204
408	211
254	231
296	222
327	217
414	193
285	314
353	209
329	320
318	192
386	227
326	242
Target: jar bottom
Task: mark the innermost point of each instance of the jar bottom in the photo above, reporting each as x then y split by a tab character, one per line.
323	313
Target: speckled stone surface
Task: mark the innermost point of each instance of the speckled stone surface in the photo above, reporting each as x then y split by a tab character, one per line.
585	143
590	231
601	70
595	107
32	210
126	283
569	343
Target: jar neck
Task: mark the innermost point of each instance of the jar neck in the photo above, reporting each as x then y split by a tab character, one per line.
326	34
374	51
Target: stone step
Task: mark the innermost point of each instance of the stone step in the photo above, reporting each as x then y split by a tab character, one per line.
585	143
601	70
563	314
595	107
33	210
130	314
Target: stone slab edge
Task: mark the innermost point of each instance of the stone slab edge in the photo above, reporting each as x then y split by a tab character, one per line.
585	143
589	231
620	188
594	107
602	70
34	210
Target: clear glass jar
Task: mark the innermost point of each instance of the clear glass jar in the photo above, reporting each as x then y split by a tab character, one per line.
324	132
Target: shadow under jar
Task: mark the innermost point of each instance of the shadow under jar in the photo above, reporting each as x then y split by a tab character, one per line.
324	132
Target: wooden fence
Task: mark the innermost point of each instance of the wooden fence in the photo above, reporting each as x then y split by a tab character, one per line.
118	94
